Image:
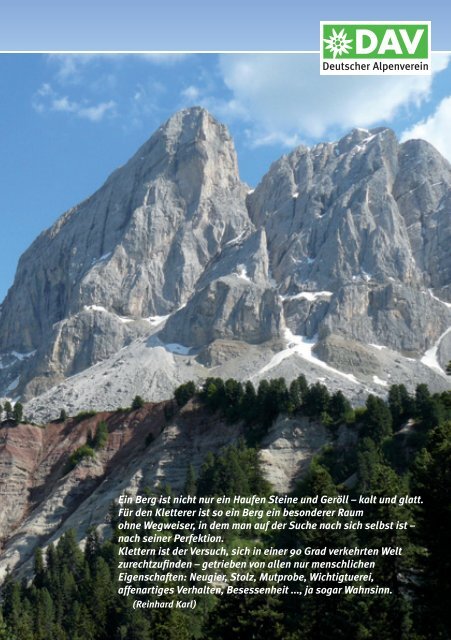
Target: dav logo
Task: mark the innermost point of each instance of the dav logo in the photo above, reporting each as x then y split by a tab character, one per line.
375	48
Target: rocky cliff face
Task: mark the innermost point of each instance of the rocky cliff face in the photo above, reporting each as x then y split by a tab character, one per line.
343	246
368	220
134	250
41	498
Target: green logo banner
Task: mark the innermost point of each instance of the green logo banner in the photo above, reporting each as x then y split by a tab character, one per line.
370	48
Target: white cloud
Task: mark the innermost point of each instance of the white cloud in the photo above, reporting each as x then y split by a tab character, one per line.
70	67
46	99
191	93
436	129
143	106
75	68
96	112
286	99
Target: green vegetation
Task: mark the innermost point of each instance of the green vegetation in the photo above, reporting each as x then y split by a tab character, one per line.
184	392
259	407
85	451
18	412
398	447
137	403
12	413
100	439
95	443
84	415
8	410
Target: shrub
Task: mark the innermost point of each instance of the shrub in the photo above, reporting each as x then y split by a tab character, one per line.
184	392
137	403
85	451
84	415
18	412
101	437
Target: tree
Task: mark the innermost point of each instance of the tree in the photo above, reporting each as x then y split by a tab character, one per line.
4	633
18	412
279	396
184	392
295	396
8	410
101	437
137	403
249	403
190	482
368	457
92	546
316	400
213	393
314	614
401	404
43	615
63	415
427	407
233	394
377	419
236	471
448	368
242	617
432	481
103	592
39	568
339	406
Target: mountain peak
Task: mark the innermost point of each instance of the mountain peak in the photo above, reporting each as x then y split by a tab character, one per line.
343	239
360	136
133	250
195	147
187	126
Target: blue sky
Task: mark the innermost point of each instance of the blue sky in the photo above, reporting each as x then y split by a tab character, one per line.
67	121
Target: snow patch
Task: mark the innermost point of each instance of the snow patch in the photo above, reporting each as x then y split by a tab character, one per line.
12	385
102	258
377	346
23	356
241	272
156	320
95	307
447	304
309	295
303	347
235	240
296	195
430	357
377	380
176	348
152	320
17	356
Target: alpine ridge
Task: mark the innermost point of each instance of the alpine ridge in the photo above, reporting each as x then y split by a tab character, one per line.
336	265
